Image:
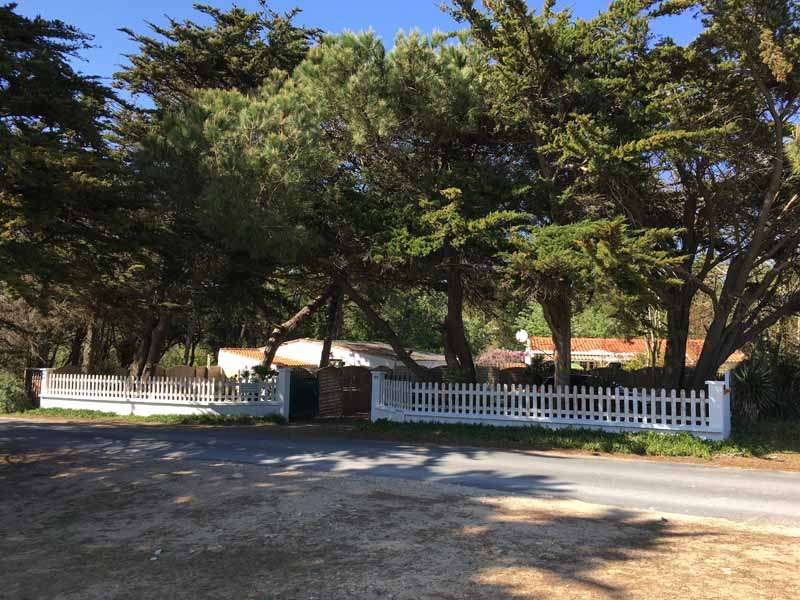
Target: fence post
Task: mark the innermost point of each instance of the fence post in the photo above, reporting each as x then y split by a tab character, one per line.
719	407
377	383
729	385
283	390
42	387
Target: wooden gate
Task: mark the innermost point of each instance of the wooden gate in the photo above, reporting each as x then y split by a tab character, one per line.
33	385
356	390
344	392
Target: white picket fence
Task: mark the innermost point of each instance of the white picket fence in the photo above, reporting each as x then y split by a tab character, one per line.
165	395
706	414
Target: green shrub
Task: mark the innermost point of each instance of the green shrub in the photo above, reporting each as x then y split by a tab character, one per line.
767	385
786	373
12	394
539	370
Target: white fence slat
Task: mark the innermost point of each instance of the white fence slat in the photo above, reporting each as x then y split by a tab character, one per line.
655	406
169	390
673	403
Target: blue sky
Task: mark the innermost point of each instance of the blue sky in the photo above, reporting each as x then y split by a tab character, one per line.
102	18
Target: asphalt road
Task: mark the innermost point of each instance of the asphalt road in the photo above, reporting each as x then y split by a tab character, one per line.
736	494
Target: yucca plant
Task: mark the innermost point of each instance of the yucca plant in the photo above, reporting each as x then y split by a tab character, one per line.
754	390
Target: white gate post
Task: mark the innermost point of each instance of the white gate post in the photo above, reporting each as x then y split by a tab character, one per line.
719	407
43	385
283	390
377	383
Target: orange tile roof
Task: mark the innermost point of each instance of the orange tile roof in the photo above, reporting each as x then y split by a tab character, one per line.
613	345
544	345
255	353
280	361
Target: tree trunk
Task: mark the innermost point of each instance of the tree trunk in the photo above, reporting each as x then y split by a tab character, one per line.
707	367
39	354
450	356
126	350
678	314
156	345
140	359
420	372
188	342
717	347
333	326
282	331
456	337
51	361
653	351
557	310
76	346
94	348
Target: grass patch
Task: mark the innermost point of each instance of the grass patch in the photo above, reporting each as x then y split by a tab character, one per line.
96	415
755	440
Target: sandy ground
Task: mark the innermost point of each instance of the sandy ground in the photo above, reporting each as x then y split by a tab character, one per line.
92	526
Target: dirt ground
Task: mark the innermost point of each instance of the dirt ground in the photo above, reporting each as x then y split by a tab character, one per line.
97	526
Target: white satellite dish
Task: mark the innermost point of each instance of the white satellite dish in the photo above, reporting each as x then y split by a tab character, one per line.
522	336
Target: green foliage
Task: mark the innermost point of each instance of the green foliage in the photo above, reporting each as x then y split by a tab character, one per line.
605	258
214	249
755	390
595	320
640	361
539	370
417	314
236	50
767	385
584	164
12	394
59	193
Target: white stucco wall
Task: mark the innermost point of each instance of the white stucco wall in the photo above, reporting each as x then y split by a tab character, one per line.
144	408
308	352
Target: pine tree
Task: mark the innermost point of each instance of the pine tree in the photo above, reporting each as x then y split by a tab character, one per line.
59	184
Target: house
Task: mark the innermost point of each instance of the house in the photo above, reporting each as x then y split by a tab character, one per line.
601	352
305	352
235	360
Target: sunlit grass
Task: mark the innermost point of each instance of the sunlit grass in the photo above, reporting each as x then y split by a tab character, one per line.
96	415
753	440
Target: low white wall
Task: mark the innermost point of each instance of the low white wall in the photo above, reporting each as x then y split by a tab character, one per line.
145	409
400	416
620	410
167	396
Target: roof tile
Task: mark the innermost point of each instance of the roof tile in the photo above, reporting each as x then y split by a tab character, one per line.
582	345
